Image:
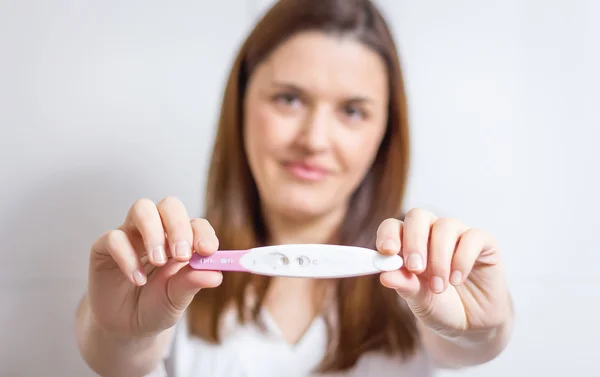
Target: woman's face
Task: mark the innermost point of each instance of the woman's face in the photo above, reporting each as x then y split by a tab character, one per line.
314	116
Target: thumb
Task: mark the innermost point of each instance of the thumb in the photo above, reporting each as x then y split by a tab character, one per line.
410	288
183	286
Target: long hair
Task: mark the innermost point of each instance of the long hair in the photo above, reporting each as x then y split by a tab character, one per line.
368	316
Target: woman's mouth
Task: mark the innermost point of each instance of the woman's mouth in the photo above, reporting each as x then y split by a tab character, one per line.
307	172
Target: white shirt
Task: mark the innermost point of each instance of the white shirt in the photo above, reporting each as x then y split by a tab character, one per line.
246	351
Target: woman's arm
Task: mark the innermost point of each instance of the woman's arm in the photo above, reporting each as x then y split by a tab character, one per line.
467	349
109	355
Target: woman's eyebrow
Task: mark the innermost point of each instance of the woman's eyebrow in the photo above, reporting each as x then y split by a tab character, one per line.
296	88
287	85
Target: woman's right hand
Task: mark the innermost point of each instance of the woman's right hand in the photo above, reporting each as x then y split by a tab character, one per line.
139	279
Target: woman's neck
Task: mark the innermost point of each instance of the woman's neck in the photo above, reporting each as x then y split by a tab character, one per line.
294	302
288	230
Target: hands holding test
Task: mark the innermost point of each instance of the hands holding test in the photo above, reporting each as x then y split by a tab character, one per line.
141	282
452	279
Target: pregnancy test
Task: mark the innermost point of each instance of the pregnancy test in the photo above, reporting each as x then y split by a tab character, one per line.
300	260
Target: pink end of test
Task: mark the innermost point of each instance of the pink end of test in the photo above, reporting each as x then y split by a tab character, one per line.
222	260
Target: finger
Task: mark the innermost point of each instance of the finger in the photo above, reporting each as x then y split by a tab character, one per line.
473	243
403	281
389	236
410	288
145	219
205	239
178	229
116	244
183	286
445	233
415	239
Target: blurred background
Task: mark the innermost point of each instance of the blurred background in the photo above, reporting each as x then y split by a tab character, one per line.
104	102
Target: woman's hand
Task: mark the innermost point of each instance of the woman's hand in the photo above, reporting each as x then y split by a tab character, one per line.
452	278
139	279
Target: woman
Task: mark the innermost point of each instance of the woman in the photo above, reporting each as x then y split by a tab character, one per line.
312	147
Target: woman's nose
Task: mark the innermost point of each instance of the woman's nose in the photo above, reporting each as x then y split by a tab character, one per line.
315	134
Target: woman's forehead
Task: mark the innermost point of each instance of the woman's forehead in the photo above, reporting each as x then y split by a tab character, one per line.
322	63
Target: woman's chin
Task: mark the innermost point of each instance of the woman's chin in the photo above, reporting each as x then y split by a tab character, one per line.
304	211
299	209
301	212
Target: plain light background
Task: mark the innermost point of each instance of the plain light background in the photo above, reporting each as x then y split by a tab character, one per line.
105	102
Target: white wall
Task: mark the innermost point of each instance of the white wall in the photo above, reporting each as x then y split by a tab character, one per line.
102	103
105	102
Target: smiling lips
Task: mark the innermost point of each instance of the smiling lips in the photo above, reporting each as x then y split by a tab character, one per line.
305	171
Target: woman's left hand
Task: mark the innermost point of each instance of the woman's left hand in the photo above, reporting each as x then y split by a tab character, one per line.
452	278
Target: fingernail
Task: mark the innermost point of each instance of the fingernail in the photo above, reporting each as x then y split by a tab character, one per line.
414	262
183	250
159	254
436	284
389	245
206	245
139	278
456	278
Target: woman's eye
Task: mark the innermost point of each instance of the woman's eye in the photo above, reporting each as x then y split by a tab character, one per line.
354	112
287	98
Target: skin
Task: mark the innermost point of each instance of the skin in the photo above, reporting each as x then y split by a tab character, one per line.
319	100
333	117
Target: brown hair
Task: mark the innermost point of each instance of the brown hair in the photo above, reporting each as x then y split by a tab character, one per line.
369	317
